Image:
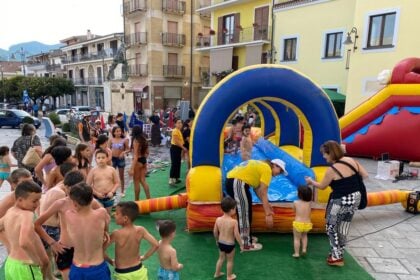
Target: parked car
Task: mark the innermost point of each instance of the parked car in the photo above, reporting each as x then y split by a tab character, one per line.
62	114
14	118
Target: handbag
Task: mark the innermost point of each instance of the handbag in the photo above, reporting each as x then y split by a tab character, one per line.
31	158
361	185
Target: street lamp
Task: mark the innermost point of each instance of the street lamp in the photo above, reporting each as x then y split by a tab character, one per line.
2	87
22	54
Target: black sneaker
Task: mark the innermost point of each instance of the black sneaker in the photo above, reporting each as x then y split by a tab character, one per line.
178	181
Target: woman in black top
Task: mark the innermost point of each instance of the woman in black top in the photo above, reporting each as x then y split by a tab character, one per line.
186	132
139	164
344	199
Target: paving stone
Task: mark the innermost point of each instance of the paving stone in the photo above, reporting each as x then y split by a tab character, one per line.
408	277
384	248
384	276
413	269
362	252
402	243
388	265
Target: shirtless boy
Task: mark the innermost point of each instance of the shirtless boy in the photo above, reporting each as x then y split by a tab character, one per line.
27	258
226	231
52	225
246	143
104	180
169	265
128	262
62	248
16	177
88	241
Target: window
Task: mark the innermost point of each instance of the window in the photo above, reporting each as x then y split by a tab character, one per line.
289	51
381	30
228	28
333	42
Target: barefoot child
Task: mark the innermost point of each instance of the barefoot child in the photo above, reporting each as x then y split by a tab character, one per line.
246	143
302	223
27	258
88	241
169	265
63	248
128	262
5	164
104	180
226	231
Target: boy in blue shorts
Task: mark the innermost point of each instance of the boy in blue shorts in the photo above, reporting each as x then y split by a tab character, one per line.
104	180
169	265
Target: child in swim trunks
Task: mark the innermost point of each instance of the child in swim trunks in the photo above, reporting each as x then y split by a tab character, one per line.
27	258
302	223
169	266
128	262
226	231
5	164
104	180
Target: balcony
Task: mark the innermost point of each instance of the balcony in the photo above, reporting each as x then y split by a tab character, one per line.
174	7
80	82
133	6
173	71
290	4
138	38
139	70
239	37
203	41
205	76
53	67
211	5
91	81
87	57
173	39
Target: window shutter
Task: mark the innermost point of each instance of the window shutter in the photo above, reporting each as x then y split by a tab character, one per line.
236	32
220	31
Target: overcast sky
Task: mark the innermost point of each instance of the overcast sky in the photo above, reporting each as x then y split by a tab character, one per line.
49	21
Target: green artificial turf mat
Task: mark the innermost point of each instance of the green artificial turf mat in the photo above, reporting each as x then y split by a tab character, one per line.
198	251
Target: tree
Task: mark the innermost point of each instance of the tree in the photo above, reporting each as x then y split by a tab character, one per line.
39	88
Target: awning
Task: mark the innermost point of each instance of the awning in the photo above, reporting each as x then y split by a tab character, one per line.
139	88
335	96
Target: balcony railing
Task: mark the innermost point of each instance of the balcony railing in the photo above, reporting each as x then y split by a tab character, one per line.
173	71
80	81
138	38
173	6
239	35
203	41
86	57
137	70
133	6
205	76
87	81
173	39
53	67
282	4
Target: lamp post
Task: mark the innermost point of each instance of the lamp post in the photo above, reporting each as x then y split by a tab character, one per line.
2	87
22	54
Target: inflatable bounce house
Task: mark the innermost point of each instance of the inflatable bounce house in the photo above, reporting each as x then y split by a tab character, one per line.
288	103
389	121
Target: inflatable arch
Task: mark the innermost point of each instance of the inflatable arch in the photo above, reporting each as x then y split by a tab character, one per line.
285	99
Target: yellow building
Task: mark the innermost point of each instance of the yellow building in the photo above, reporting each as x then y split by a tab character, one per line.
240	35
309	36
163	68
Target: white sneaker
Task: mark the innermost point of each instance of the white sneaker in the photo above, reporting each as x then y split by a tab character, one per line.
171	181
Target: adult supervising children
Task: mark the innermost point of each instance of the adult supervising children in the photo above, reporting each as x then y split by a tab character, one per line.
255	174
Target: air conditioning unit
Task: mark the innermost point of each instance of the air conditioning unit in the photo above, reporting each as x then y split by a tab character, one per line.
144	95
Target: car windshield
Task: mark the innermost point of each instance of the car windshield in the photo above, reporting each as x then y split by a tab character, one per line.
21	113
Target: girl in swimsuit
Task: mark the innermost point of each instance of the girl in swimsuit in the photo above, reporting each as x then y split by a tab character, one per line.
81	156
47	162
139	165
5	164
119	148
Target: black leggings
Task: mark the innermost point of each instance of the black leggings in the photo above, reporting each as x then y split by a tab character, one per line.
176	153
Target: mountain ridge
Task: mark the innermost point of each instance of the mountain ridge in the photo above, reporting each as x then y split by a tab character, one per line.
29	48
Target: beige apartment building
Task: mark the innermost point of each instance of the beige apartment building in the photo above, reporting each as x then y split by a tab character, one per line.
163	67
87	60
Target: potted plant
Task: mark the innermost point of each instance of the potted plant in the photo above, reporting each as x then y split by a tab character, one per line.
200	34
255	24
212	32
239	27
